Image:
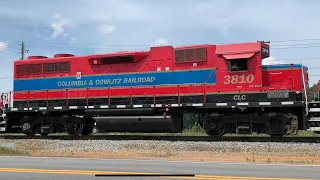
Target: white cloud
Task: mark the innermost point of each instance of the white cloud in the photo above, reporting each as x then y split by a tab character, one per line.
160	42
3	45
106	29
59	24
271	61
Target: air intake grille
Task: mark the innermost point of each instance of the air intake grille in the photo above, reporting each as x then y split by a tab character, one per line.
57	67
29	69
190	55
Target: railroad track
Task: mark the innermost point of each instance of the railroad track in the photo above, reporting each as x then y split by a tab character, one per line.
311	139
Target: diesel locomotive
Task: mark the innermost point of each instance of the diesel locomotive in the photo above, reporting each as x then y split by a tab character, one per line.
150	91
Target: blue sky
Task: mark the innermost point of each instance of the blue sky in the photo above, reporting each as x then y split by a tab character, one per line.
95	26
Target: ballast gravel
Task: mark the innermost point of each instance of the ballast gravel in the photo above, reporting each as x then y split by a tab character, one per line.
83	146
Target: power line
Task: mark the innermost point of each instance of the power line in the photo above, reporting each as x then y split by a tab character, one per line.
6	77
299	40
109	47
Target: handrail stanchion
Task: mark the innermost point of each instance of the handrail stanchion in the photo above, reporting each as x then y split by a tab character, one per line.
130	95
87	103
108	95
47	100
154	94
67	103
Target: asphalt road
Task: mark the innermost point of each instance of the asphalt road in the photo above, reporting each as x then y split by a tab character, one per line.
70	168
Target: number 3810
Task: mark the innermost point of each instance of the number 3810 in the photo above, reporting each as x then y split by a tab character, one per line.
236	79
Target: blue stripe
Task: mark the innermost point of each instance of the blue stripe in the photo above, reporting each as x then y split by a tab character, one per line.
283	66
119	80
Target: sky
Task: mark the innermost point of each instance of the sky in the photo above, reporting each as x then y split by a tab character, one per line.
84	27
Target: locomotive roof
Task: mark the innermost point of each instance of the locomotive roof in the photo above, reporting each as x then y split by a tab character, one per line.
220	49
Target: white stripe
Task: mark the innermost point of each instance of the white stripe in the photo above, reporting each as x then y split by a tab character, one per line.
2	129
158	105
242	103
2	122
121	106
25	109
90	107
42	108
137	106
174	105
14	109
222	104
104	106
57	107
314	110
286	103
314	129
314	119
73	107
264	103
197	104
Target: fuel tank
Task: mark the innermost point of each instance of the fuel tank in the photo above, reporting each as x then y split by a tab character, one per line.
121	112
147	124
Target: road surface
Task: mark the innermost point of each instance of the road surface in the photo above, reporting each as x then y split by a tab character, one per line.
48	168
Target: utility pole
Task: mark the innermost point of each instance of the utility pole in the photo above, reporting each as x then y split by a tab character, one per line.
23	50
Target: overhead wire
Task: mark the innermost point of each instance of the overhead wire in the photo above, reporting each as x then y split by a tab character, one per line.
95	46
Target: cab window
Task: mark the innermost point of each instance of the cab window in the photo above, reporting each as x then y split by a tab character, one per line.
238	65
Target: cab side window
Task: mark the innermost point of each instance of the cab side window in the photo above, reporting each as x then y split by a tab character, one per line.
238	65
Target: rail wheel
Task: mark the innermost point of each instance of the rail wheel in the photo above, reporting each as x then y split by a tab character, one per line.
220	133
88	126
74	126
34	129
213	127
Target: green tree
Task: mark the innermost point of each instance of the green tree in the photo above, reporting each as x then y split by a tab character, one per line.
313	90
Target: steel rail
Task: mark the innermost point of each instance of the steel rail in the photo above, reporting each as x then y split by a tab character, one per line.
310	139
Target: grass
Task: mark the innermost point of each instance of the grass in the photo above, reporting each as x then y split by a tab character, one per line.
11	152
193	132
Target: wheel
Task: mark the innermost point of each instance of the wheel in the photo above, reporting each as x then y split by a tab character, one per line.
74	129
212	126
88	126
216	134
35	129
74	126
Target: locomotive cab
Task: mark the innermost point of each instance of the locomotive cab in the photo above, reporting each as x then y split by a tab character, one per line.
240	65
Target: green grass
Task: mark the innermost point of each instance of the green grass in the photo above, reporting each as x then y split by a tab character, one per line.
193	132
11	152
202	133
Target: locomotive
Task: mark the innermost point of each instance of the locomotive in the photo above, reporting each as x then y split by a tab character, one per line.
226	86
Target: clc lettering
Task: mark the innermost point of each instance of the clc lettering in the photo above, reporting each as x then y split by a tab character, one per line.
236	79
239	97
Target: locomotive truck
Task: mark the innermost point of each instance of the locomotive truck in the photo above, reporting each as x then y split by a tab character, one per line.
226	86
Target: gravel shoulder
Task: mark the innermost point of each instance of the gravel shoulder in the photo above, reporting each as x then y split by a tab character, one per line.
254	152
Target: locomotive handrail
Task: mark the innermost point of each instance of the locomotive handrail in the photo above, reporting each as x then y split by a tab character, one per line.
305	91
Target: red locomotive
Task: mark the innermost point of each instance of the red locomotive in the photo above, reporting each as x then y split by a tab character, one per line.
149	91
